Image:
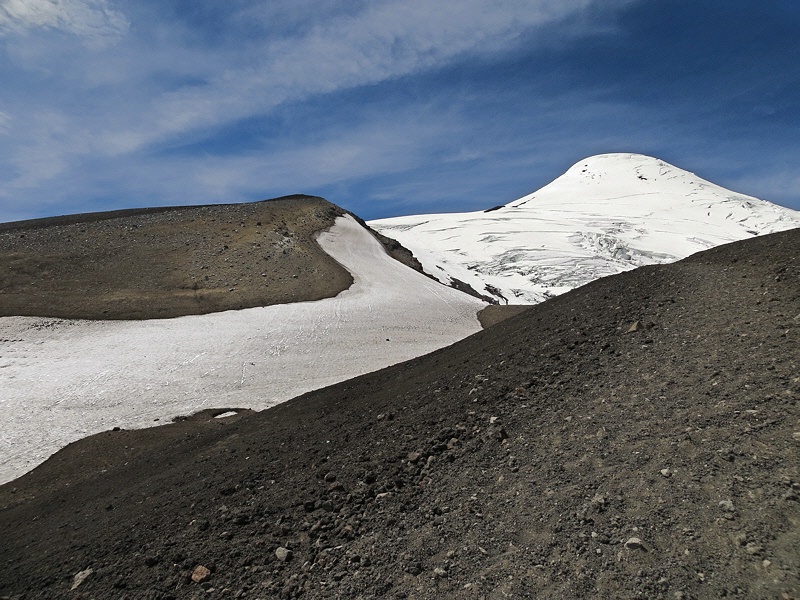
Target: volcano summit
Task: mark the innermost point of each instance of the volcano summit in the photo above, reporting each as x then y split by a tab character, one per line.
607	214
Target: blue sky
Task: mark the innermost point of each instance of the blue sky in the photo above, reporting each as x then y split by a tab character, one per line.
385	107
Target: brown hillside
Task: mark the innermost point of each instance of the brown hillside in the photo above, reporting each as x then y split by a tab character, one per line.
168	262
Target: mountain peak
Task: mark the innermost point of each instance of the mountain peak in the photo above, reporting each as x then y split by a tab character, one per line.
612	177
618	165
607	214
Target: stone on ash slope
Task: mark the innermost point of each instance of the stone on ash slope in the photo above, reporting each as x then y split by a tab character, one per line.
607	214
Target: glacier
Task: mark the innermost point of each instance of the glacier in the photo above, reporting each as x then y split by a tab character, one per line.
607	214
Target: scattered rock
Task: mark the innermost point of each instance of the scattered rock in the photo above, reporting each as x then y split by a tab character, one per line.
201	524
283	554
634	543
727	506
635	326
666	472
753	548
201	574
80	578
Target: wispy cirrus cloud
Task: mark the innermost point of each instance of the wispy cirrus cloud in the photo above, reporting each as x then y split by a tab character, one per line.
383	41
95	20
5	120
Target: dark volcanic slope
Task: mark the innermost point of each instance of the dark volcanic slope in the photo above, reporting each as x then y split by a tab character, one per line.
635	438
167	262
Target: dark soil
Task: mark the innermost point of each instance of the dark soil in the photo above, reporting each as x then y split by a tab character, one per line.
168	262
638	437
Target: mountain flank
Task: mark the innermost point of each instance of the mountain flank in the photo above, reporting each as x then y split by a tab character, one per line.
168	262
638	437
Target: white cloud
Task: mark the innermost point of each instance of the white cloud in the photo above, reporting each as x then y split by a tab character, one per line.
46	157
385	40
95	20
385	143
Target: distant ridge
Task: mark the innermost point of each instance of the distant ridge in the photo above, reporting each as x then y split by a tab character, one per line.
169	261
606	214
92	217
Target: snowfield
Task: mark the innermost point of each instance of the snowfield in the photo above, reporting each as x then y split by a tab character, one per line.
61	380
606	214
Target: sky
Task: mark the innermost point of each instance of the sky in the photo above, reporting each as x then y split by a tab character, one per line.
385	107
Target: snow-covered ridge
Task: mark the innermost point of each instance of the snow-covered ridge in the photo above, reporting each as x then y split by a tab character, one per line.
606	214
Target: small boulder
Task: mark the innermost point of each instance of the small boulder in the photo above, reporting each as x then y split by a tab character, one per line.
80	578
201	574
634	543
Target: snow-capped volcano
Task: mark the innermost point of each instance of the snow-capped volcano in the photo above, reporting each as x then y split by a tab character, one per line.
606	214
